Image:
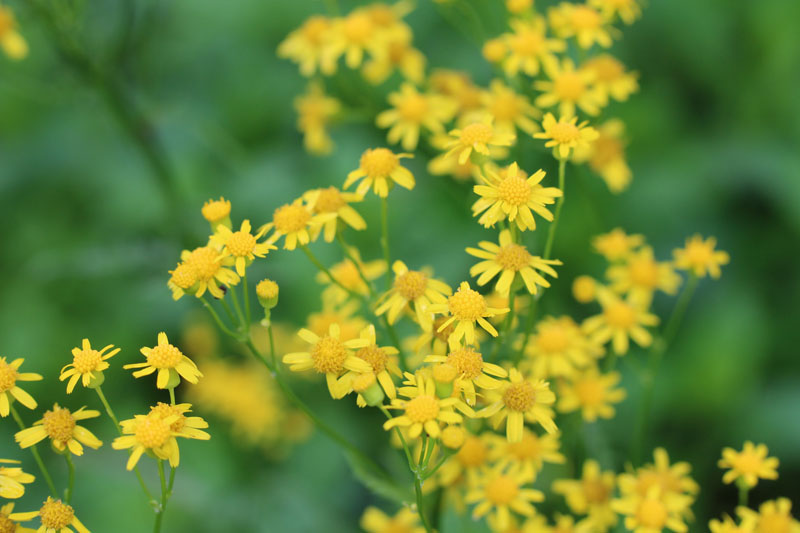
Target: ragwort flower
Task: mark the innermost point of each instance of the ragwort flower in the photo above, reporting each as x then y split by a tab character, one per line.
87	365
9	375
55	516
415	287
60	426
12	480
748	465
478	137
565	134
465	307
520	399
170	363
380	168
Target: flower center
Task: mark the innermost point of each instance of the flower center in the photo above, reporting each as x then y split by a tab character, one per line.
552	339
565	132
775	523
59	424
527	43
699	253
644	272
56	515
519	397
358	28
422	409
502	490
585	18
473	453
267	289
241	243
8	376
86	360
164	410
528	448
204	261
6	524
184	276
748	463
590	392
152	431
446	332
290	218
569	86
605	150
329	201
411	284
467	362
467	304
652	513
514	190
374	356
595	491
606	68
164	356
513	257
505	107
413	108
216	210
477	133
314	29
329	354
379	162
620	315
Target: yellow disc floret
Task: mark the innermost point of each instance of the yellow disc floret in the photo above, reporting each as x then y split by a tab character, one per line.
152	431
328	355
519	396
373	355
290	218
411	284
164	356
267	289
379	162
85	361
184	276
467	362
652	514
467	304
620	315
56	515
216	210
502	490
205	262
59	424
8	376
513	257
241	243
329	201
565	132
422	409
514	190
477	133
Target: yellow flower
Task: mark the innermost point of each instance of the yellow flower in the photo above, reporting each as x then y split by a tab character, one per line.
628	10
383	362
152	433
590	495
466	307
495	50
509	109
204	270
188	427
726	525
568	88
292	221
335	205
242	245
584	289
606	155
413	287
12	479
9	525
651	513
396	54
565	134
499	492
700	257
511	194
620	321
380	168
529	454
59	425
55	516
671	480
350	325
529	46
583	22
591	392
471	370
616	244
13	44
353	36
442	165
610	78
510	260
170	363
346	273
774	516
413	111
329	355
640	275
748	465
217	212
405	521
9	375
468	463
517	7
478	137
423	409
87	365
518	400
310	46
559	348
458	86
315	110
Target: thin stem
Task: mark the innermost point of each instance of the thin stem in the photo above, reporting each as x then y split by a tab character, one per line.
325	270
744	493
512	295
230	314
272	345
399	434
216	318
71	470
239	313
246	294
163	507
431	471
36	456
385	239
172	395
421	505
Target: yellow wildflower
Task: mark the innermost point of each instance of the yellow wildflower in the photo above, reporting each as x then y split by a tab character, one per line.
55	516
700	257
380	168
315	110
584	289
529	454
310	47
591	392
773	516
187	427
292	221
494	50
610	79
203	270
616	244
671	480
466	307
468	463
529	46
60	426
606	155
87	365
346	273
383	362
471	370
509	109
242	246
13	44
9	375
405	521
559	348
412	112
350	324
518	400
478	137
458	86
726	525
651	513
217	212
500	491
620	321
9	525
628	10
748	465
12	479
569	88
442	165
565	134
640	275
169	362
583	22
415	287
590	495
396	54
335	206
152	433
353	36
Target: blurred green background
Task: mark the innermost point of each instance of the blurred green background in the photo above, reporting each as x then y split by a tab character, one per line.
90	231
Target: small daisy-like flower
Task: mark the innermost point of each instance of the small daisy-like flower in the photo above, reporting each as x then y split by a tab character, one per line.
12	479
8	524
55	516
518	7
415	287
509	109
310	47
616	245
590	495
60	426
529	46
182	280
520	399
640	275
217	212
772	516
584	289
188	427
510	260
396	55
207	269
292	221
628	10
495	50
405	521
382	359
592	393
242	245
510	193
568	88
726	525
315	110
700	257
9	375
606	156
423	410
87	365
500	491
334	204
152	433
347	274
329	355
412	112
672	480
471	370
565	134
380	168
465	307
458	86
583	22
170	363
651	513
559	348
748	465
620	321
468	463
344	316
610	79
352	36
13	44
529	454
478	137
441	165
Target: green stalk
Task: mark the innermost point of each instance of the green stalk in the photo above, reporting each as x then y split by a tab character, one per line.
385	239
246	294
163	506
71	470
216	318
325	270
36	456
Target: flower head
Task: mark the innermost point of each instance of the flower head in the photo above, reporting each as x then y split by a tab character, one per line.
558	348
413	287
311	46
569	88
471	370
590	495
154	433
518	400
188	427
241	246
748	465
529	454
201	270
217	212
478	137
412	112
465	307
616	245
383	362
652	512
404	521
774	516
335	206
700	257
500	491
606	155
610	78
55	516
378	169
509	109
627	10
583	22
529	46
620	321
592	393
565	134
315	110
60	426
169	362
12	43
12	479
87	365
640	275
9	391
292	221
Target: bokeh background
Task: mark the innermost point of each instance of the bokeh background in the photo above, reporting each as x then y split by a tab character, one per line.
90	229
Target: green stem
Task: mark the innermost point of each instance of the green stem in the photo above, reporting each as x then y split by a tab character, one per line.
71	470
744	493
246	294
163	507
399	434
239	313
325	270
431	471
349	255
230	314
385	239
36	456
421	505
172	395
659	347
498	342
216	318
